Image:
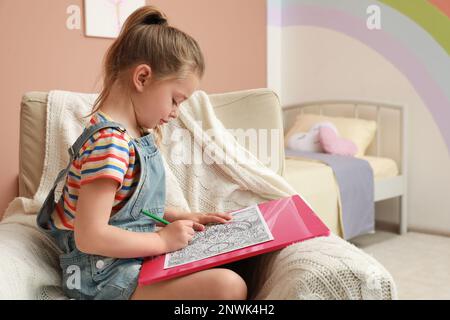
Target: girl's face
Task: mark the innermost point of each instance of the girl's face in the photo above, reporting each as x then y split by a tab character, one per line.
158	102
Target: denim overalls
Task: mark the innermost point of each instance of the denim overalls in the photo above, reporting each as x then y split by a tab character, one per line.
88	276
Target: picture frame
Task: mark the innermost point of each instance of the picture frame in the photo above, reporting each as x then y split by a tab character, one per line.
104	18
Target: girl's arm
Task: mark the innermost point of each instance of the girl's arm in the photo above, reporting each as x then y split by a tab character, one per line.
93	234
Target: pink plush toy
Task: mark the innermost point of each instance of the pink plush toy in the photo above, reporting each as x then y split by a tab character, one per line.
332	143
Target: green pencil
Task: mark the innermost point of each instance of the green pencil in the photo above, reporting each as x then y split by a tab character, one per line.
154	217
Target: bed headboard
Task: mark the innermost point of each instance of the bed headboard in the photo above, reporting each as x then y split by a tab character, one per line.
391	119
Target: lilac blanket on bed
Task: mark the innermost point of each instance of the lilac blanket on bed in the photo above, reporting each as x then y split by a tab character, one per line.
355	180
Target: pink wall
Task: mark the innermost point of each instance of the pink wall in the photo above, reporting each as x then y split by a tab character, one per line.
38	53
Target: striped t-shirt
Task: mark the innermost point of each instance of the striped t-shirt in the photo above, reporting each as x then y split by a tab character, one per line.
109	154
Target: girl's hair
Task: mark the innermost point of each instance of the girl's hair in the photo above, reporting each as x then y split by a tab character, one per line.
146	37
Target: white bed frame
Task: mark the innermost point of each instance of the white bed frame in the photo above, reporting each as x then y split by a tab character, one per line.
390	140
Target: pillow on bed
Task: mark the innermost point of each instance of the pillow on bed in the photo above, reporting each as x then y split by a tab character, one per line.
361	132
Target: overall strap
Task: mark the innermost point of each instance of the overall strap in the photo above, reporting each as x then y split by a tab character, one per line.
75	148
49	204
87	133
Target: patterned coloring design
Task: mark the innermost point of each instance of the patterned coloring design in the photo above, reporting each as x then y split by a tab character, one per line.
247	228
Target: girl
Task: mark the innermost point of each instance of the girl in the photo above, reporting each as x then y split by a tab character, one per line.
116	170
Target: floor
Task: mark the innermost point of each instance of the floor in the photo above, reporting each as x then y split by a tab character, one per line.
419	263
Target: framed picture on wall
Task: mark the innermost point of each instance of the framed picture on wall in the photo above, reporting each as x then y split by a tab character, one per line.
104	18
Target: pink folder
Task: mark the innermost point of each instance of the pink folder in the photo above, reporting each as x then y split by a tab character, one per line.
290	220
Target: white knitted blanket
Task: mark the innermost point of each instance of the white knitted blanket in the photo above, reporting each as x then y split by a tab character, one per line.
320	268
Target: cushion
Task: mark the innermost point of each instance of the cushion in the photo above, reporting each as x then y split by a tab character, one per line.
361	132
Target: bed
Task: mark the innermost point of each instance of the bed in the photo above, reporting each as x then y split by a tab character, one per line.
386	156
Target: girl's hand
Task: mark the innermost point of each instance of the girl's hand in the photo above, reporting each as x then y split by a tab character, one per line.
200	219
177	234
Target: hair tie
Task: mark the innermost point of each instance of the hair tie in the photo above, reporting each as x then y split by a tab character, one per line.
154	19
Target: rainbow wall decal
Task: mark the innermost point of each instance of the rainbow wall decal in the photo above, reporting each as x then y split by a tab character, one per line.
415	38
